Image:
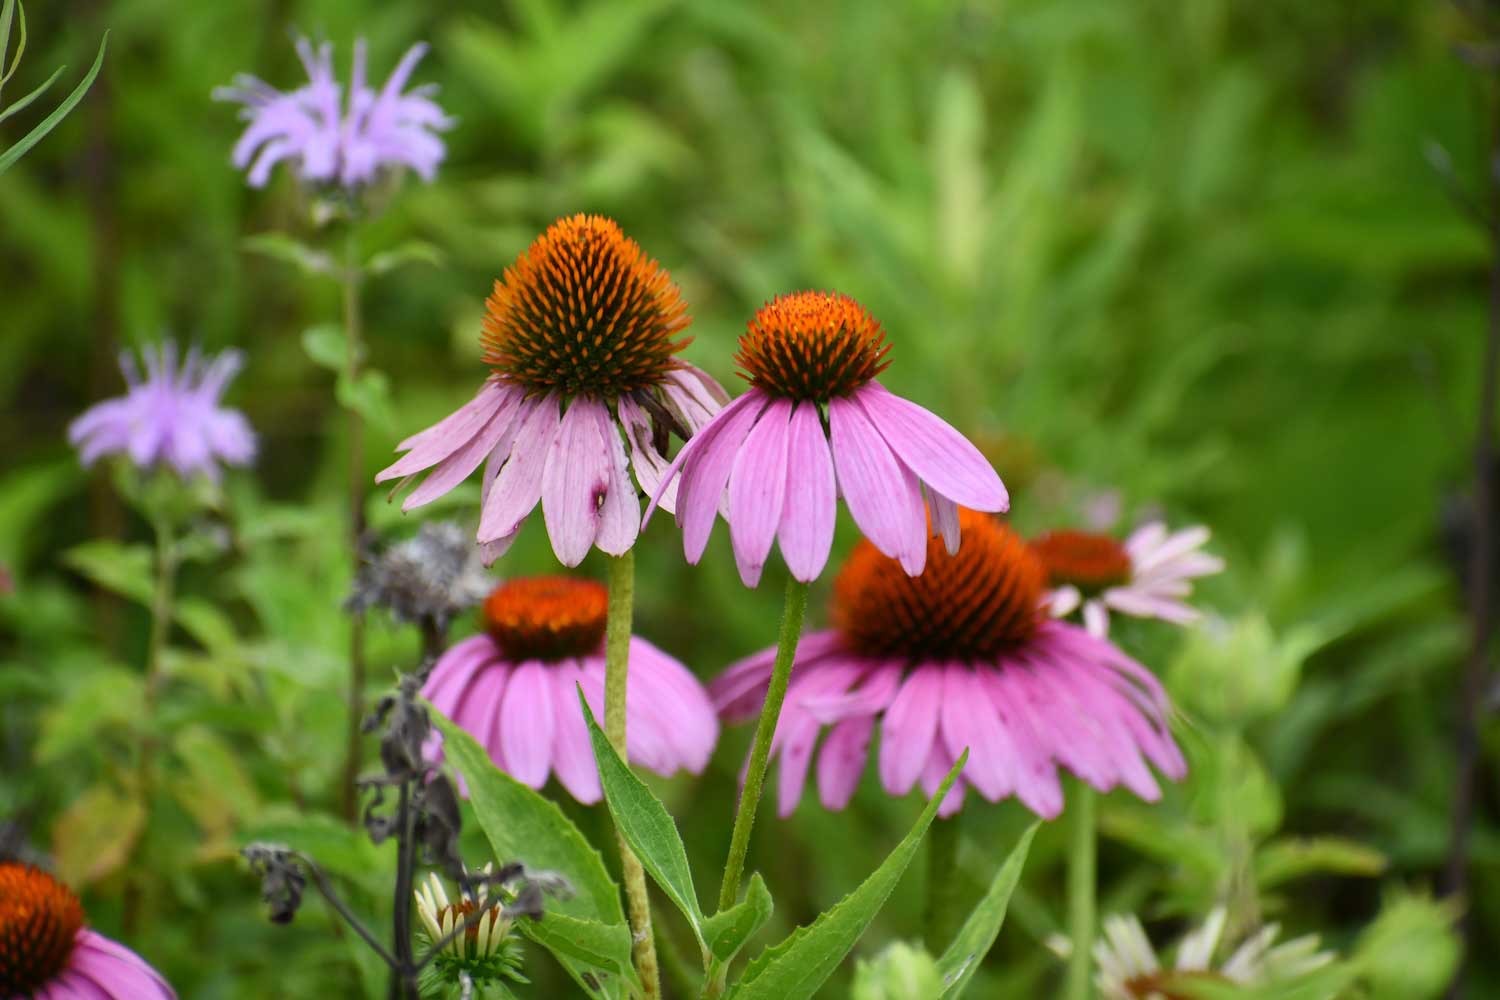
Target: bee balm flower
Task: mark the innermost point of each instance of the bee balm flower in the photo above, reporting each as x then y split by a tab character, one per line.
774	469
582	336
171	416
962	656
512	688
48	954
1147	576
330	141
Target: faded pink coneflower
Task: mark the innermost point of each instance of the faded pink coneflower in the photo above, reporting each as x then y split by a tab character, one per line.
46	952
512	688
775	469
581	334
962	656
1149	575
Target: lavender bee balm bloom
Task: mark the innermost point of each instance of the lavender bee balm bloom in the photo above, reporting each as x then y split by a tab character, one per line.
333	141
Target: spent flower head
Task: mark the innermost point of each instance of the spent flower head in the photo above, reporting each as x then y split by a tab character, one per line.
431	577
775	469
581	334
333	141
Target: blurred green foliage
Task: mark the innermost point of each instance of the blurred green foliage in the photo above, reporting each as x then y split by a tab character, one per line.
1189	254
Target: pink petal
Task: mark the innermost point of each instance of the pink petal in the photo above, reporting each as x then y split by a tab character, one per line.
798	734
518	486
757	490
938	764
939	455
944	519
842	760
807	522
909	729
673	692
1036	782
572	751
710	431
620	514
575	482
883	495
737	693
526	724
426	448
456	467
706	473
478	714
650	465
969	722
877	686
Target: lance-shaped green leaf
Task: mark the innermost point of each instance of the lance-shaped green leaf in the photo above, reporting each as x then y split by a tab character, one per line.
726	932
798	966
646	825
977	935
14	153
596	955
523	826
279	246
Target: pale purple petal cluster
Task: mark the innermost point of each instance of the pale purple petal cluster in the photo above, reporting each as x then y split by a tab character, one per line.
526	713
1062	699
328	140
101	969
768	465
574	461
170	416
1162	568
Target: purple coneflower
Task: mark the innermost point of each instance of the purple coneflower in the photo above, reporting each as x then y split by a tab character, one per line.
333	142
963	655
582	336
171	416
513	688
1147	576
772	466
46	953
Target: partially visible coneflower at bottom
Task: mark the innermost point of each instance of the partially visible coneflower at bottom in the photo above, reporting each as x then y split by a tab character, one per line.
1129	969
46	953
484	951
962	656
514	688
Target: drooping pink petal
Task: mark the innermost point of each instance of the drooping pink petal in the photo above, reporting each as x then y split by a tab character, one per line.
938	454
650	466
737	693
939	762
118	971
1035	773
757	490
457	467
944	519
798	733
969	721
526	724
882	494
645	742
1096	618
715	428
842	760
429	447
572	751
478	713
807	521
706	472
674	692
910	729
575	482
879	681
620	513
518	486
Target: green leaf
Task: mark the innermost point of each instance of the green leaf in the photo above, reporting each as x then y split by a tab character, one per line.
26	101
798	966
327	345
594	954
369	395
646	825
523	826
118	568
411	252
1293	857
279	246
96	835
977	935
14	153
7	12
106	701
725	933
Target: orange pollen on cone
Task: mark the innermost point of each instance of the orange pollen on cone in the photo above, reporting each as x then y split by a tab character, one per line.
584	310
39	920
459	912
547	617
1085	560
969	606
812	346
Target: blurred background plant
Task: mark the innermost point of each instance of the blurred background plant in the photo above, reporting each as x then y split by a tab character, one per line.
1187	258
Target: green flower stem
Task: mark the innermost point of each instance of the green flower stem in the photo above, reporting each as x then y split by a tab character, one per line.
760	751
616	672
1082	876
353	334
943	890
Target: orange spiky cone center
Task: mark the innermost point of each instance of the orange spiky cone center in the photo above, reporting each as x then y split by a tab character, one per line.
812	346
1088	561
39	920
547	617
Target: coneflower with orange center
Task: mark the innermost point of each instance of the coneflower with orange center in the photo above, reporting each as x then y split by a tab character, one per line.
962	656
1149	575
582	334
512	687
815	425
47	953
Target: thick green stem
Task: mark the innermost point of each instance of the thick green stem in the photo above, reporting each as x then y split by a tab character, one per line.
616	674
760	751
1082	876
944	894
354	351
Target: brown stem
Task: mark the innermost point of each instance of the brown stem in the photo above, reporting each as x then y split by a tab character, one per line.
355	348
